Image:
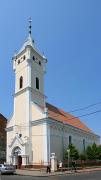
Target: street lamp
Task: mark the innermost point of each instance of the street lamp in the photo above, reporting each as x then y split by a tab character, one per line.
68	151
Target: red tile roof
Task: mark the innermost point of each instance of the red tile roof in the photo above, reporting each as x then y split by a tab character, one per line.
59	115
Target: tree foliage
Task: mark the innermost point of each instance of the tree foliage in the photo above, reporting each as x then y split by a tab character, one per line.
74	154
83	156
99	152
92	152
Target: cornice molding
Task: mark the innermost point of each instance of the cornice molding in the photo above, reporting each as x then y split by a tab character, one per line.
31	90
64	127
9	129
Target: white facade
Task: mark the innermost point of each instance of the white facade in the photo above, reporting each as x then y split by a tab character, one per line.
59	138
31	135
29	68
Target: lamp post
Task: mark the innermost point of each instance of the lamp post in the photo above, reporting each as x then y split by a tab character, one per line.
68	151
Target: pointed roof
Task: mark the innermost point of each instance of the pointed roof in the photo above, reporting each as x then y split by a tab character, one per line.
59	115
28	42
2	117
19	139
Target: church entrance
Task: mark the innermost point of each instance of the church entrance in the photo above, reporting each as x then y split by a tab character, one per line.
19	162
16	157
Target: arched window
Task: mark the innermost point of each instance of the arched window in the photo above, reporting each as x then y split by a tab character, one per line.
34	58
16	151
40	63
37	83
83	144
24	57
21	82
70	140
18	61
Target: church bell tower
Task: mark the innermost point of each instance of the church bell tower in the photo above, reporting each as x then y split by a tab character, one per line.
29	101
29	67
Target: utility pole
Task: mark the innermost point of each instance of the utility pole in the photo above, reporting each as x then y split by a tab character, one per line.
68	151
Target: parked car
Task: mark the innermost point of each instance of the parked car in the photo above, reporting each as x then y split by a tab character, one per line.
7	169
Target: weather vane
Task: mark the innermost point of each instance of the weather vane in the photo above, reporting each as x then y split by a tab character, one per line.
30	25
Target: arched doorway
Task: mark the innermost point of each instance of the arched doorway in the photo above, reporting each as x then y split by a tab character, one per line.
17	159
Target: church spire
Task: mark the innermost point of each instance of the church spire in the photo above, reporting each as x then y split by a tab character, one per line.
29	41
30	26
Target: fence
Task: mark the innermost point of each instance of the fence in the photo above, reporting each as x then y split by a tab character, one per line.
81	164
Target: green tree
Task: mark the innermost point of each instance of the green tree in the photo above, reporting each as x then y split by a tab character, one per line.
74	154
99	152
82	156
92	152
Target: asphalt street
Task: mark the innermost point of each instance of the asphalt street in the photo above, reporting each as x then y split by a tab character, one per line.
78	176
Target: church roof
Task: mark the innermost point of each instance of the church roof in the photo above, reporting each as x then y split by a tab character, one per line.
59	115
2	118
30	42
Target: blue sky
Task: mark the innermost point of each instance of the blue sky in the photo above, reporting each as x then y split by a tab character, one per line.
69	34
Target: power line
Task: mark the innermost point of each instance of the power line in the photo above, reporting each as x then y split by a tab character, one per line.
86	107
88	114
75	117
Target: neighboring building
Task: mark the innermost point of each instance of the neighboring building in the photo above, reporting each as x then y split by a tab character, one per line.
36	128
3	122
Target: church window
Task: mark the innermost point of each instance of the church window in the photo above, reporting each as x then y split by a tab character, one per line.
40	63
18	61
70	140
24	57
37	83
21	82
83	144
34	58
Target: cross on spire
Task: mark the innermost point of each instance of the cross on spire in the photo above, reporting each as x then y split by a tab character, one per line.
30	25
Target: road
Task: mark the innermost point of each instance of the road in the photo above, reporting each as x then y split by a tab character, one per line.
82	176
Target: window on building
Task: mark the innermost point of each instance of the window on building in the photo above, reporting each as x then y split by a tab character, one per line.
70	140
83	144
24	57
18	61
40	63
37	83
21	82
34	58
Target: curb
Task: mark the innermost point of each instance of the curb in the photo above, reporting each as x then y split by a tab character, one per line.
64	173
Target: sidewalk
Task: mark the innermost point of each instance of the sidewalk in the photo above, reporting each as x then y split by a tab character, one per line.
42	173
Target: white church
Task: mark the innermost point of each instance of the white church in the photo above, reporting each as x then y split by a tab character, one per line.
37	128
